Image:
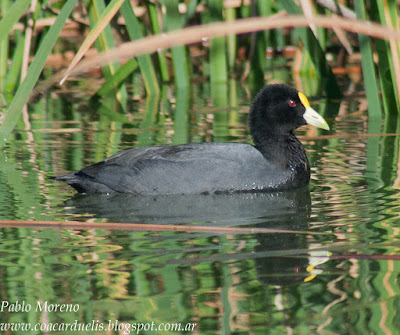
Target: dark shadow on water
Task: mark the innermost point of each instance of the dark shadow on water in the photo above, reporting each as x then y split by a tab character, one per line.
280	269
273	258
280	209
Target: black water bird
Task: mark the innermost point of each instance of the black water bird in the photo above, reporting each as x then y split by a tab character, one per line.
276	161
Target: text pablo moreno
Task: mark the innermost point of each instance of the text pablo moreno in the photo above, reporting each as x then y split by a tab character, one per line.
41	306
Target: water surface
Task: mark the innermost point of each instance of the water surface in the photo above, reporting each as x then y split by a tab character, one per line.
333	269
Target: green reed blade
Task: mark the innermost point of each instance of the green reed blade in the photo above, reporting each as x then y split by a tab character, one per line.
14	70
4	41
368	66
257	41
105	41
309	83
218	68
162	55
181	127
162	113
386	77
233	102
174	20
386	13
104	17
148	123
191	7
321	32
13	14
219	96
218	62
134	29
317	55
259	59
122	73
230	15
258	62
181	67
264	9
23	92
373	164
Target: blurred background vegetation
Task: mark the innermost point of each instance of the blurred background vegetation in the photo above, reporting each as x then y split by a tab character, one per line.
39	39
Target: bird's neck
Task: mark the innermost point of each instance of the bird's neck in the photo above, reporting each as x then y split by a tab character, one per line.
285	151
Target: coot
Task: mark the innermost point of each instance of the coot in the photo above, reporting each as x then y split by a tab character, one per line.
276	161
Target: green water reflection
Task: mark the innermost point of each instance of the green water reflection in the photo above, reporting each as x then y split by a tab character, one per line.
339	274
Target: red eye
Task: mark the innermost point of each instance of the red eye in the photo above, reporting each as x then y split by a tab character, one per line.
292	103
